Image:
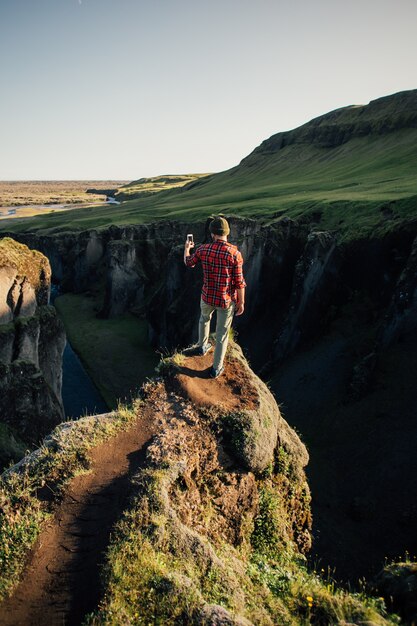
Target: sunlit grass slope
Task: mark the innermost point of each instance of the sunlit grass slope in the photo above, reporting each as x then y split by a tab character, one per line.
146	186
356	168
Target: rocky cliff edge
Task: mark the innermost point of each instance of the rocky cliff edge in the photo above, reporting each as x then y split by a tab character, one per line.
32	340
217	523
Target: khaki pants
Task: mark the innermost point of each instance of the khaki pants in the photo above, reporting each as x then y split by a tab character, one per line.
223	323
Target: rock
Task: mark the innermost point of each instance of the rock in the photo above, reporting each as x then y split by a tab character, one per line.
215	615
362	509
25	278
397	583
311	292
31	344
298	280
362	375
197	509
250	417
402	314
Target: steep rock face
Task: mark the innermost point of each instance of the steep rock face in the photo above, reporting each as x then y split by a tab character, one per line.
32	340
311	292
402	313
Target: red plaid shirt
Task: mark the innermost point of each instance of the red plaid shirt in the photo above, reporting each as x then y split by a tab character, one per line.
222	268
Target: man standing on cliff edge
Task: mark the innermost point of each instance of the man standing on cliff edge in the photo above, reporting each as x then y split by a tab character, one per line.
223	289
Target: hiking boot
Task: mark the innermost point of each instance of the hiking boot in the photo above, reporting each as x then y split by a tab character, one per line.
215	373
198	350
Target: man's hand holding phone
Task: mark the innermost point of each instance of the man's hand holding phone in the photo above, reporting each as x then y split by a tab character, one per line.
189	243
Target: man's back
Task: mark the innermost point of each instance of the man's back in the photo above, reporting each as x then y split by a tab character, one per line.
222	268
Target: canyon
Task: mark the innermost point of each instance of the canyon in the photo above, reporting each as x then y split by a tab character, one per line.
324	317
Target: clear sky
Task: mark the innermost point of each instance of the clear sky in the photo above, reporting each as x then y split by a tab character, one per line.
99	89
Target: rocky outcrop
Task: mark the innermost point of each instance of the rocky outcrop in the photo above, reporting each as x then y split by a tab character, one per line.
397	583
198	507
25	278
252	424
32	340
203	540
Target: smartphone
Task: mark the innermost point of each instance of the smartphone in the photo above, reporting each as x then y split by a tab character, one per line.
190	238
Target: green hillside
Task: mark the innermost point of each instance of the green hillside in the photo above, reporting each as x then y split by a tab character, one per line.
146	186
354	169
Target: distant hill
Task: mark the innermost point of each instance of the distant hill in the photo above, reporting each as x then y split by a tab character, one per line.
348	170
146	186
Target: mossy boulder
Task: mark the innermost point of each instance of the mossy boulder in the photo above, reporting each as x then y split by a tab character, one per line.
25	279
397	583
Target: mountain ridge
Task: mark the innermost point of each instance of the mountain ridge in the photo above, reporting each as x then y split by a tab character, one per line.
351	121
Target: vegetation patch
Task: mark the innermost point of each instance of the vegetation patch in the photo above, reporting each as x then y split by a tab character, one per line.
156	184
29	489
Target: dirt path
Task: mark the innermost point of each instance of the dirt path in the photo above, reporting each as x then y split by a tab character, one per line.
61	583
233	390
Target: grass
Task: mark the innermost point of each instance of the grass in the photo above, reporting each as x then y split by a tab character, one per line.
169	364
22	514
145	186
346	188
115	352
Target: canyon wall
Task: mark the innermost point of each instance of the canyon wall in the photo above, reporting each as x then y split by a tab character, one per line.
32	340
298	279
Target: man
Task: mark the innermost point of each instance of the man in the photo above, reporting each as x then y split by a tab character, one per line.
223	289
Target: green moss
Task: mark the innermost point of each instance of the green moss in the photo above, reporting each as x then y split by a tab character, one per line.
152	575
29	263
269	530
239	432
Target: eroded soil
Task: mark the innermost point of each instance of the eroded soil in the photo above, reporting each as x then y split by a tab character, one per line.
233	390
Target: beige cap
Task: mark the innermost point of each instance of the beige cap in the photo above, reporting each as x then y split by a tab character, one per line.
219	226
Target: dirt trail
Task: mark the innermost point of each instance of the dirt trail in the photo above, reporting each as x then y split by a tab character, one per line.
233	390
61	583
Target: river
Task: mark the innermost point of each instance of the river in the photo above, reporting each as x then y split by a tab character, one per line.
30	210
79	394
